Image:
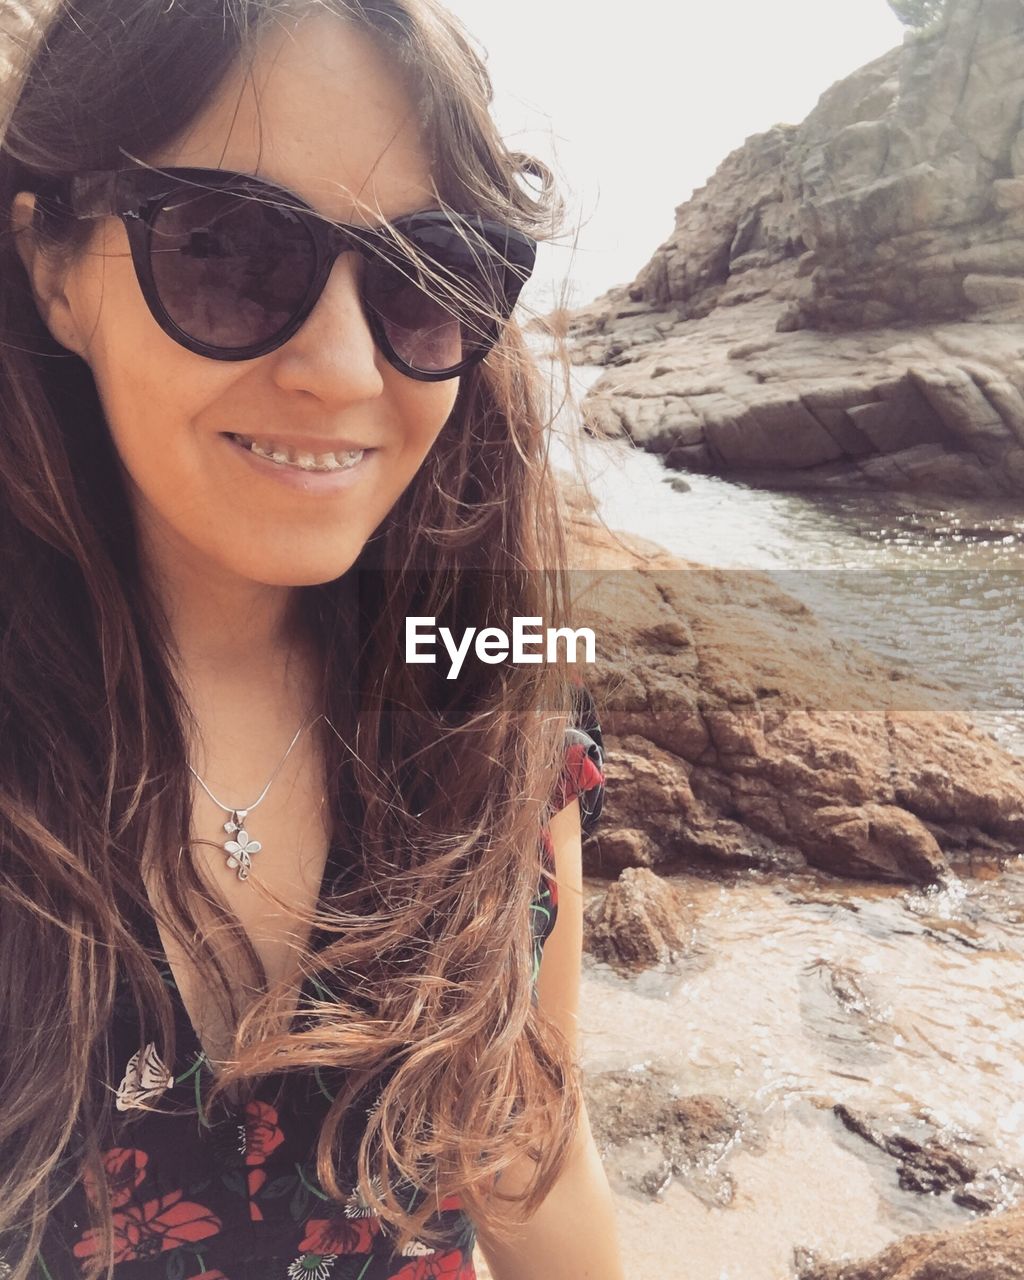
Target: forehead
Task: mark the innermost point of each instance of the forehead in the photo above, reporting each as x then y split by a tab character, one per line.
317	108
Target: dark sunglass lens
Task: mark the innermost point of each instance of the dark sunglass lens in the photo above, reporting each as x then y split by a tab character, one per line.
230	269
439	301
421	330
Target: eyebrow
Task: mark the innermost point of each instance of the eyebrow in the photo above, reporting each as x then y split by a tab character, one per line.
309	205
99	193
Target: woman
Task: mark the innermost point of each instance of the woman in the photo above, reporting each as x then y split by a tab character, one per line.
271	905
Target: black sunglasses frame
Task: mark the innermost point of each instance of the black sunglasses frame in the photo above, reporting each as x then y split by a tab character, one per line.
137	195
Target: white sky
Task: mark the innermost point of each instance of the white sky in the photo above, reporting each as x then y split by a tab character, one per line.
637	103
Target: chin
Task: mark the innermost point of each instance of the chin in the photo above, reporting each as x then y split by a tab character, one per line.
303	566
313	574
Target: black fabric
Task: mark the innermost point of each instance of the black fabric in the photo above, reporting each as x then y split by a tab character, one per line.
234	1195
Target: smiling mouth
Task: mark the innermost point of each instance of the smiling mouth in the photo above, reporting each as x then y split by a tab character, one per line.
299	459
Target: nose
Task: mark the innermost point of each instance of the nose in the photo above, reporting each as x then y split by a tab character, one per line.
333	355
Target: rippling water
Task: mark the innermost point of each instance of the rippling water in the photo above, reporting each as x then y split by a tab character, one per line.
800	992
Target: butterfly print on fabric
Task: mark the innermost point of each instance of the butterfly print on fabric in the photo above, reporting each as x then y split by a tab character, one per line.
146	1078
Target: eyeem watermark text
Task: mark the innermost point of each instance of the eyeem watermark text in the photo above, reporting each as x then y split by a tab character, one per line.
529	642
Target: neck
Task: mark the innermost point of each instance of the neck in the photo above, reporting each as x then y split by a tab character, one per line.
239	646
223	625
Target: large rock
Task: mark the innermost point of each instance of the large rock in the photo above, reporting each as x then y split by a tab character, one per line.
689	1135
888	185
638	923
989	1249
868	266
743	733
936	409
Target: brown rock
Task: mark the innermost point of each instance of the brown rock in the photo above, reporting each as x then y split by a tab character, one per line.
693	1132
637	923
892	425
932	1162
995	293
1002	394
989	1249
741	732
832	405
652	796
872	840
696	457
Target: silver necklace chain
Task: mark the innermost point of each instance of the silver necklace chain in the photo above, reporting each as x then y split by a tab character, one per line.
240	846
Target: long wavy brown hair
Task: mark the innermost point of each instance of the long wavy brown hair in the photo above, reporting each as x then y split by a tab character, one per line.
425	967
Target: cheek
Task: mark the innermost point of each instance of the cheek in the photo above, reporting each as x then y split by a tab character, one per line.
424	407
151	397
146	382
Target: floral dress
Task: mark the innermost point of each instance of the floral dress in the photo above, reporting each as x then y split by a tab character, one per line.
236	1197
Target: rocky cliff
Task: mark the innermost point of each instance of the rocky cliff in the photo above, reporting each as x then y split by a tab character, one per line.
843	303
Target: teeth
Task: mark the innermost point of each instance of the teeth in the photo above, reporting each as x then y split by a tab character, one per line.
298	458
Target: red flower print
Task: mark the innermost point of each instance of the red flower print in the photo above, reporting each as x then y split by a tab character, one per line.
450	1203
262	1135
210	1275
339	1235
124	1168
256	1178
580	773
144	1230
437	1266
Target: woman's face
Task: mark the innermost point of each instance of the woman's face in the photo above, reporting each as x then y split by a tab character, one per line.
325	116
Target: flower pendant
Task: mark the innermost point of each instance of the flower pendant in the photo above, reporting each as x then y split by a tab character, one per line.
242	847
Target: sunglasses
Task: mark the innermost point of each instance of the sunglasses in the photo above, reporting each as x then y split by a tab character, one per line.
231	265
